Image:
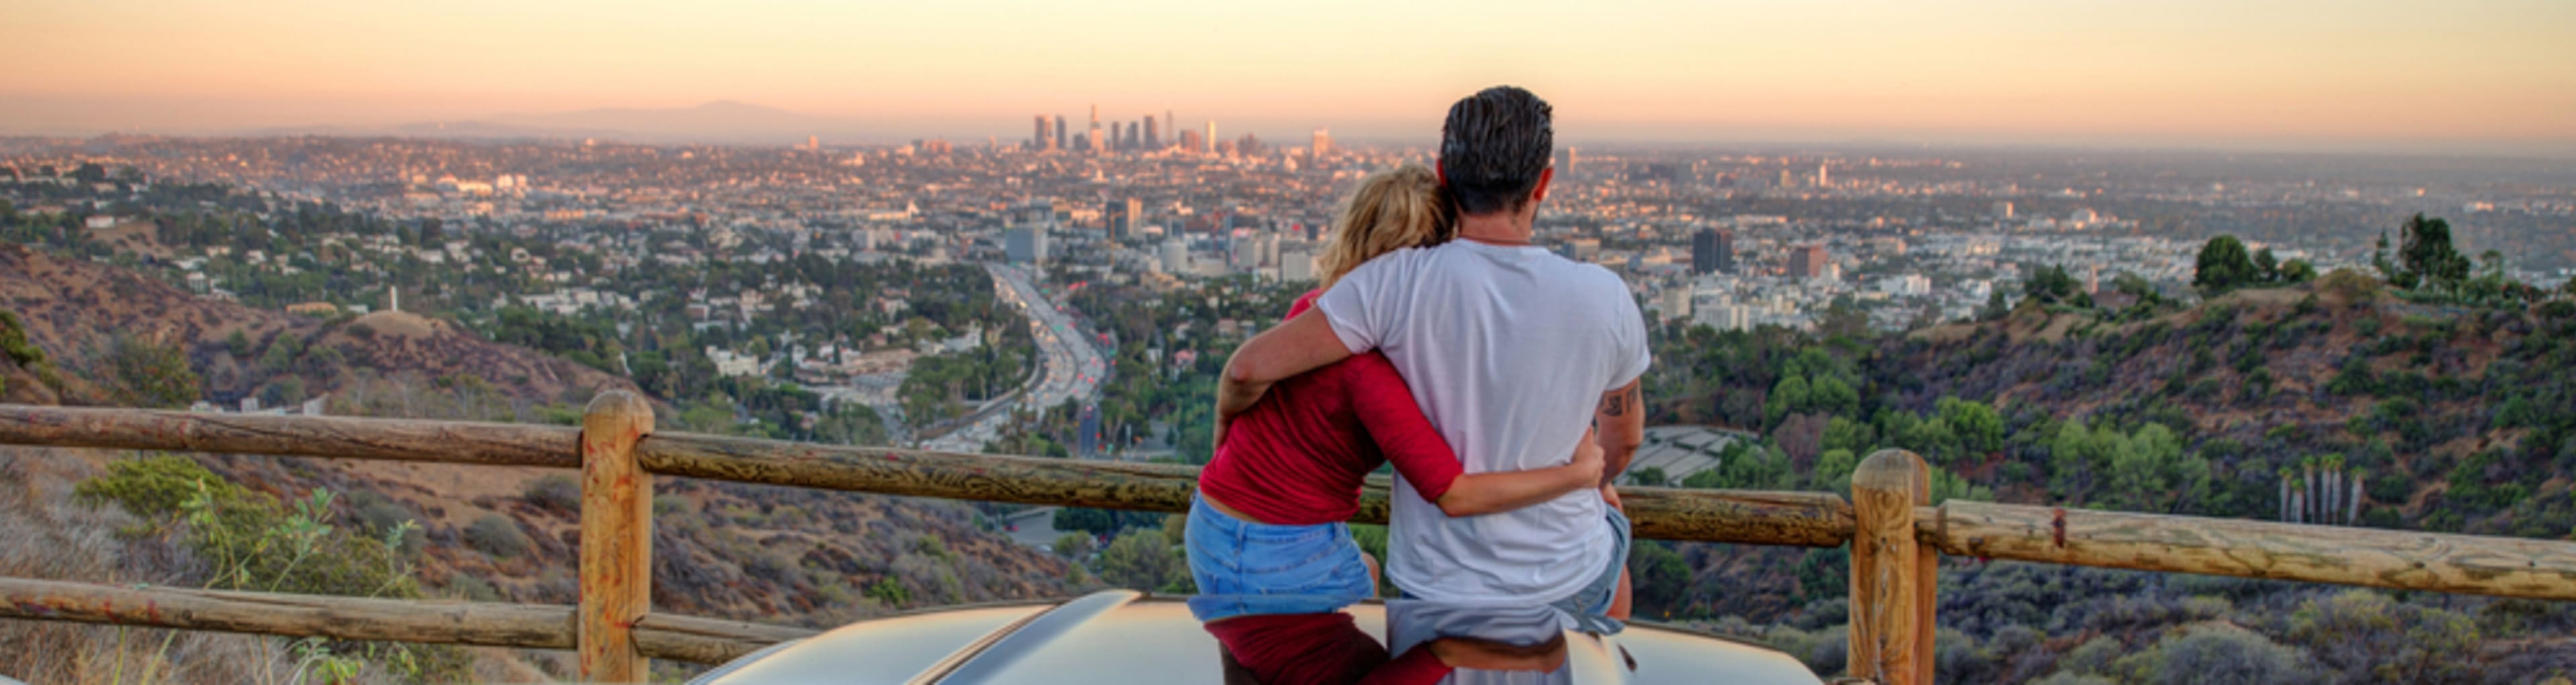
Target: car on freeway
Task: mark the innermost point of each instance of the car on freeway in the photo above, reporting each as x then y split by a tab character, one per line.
1123	636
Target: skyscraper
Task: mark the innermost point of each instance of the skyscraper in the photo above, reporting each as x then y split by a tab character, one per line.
1823	179
1060	141
1712	250
1038	140
1323	144
1097	143
1153	138
1807	261
1210	137
1121	217
1132	137
1025	244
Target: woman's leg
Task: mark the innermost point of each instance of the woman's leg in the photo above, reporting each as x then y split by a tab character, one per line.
1375	574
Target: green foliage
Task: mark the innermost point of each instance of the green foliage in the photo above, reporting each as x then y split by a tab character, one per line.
1072	545
2213	654
554	491
1145	559
155	487
498	536
2298	271
1650	476
2362	636
14	342
145	373
889	592
2052	285
2224	265
249	541
2425	257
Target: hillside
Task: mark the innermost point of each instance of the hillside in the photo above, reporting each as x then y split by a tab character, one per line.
78	310
2430	417
768	554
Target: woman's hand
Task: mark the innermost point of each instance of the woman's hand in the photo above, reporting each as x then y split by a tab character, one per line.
1589	458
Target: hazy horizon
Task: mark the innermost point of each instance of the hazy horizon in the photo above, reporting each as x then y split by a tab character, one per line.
2464	78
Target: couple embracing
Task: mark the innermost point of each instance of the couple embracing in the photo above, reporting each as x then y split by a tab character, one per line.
1499	379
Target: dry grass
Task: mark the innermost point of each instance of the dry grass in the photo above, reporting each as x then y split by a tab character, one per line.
44	535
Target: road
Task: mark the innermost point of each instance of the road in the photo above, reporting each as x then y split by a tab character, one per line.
1069	367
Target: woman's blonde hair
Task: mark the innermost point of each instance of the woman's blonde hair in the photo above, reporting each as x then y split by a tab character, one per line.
1392	210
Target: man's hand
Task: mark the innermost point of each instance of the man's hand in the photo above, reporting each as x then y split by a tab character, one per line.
1610	496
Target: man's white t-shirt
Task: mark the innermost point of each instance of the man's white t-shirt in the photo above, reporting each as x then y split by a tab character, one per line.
1508	350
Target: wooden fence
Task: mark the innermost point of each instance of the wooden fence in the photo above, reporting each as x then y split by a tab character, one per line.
1895	537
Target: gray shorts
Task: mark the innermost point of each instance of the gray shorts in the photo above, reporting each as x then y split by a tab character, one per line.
1590	606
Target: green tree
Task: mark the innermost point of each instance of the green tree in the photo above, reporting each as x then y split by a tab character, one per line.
1789	396
2298	271
2223	266
1979	428
2425	257
1144	559
145	373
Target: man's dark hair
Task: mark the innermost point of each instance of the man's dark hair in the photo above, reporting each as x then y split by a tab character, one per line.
1494	146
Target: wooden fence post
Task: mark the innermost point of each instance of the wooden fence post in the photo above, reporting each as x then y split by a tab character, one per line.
616	538
1893	578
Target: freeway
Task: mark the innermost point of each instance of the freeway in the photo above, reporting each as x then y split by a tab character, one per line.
1068	366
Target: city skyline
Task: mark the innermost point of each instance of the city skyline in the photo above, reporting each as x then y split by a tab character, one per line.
2476	77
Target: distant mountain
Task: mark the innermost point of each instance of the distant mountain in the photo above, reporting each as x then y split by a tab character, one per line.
720	121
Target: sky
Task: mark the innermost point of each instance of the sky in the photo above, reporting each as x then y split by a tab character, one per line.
2486	74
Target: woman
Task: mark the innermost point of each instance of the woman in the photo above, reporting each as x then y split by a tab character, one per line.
1270	511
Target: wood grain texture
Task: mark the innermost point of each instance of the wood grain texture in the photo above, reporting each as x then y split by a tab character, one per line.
1752	517
616	538
2496	566
526	626
1808	519
1887	617
496	444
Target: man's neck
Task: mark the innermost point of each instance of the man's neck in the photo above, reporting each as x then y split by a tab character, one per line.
1499	228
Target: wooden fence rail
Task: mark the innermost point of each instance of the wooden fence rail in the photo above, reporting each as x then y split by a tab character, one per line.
530	626
1896	538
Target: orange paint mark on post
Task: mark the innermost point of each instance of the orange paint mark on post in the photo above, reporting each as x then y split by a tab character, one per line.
616	538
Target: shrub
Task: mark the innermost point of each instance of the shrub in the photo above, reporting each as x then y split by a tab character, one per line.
2217	654
143	373
1073	545
249	541
888	592
497	535
556	492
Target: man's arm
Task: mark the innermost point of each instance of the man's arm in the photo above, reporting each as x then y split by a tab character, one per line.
1303	344
1620	425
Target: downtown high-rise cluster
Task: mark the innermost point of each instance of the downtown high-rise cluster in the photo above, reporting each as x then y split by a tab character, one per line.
1049	133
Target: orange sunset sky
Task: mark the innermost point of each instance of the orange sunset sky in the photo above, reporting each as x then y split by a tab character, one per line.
2470	72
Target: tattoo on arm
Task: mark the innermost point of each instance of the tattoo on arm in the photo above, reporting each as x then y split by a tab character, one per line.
1617	404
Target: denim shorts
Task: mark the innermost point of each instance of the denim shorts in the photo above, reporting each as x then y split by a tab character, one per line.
1236	558
1590	606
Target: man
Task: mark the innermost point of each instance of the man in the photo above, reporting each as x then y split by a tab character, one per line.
1511	351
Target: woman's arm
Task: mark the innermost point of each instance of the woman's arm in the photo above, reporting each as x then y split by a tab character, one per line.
1386	407
1476	494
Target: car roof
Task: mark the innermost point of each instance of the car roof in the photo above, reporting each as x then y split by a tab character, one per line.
1122	636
